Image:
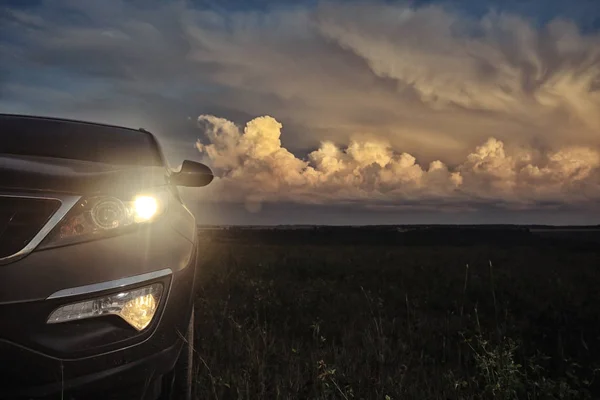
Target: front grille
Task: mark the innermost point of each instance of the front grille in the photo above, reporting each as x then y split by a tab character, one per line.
21	218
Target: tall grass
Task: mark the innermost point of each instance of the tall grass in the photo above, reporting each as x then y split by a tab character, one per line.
366	322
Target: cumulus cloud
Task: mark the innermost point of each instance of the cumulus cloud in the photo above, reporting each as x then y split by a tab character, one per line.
253	167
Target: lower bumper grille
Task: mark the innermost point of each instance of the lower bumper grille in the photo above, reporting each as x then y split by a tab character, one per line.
21	218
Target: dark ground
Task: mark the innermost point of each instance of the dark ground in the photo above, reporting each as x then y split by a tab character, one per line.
389	313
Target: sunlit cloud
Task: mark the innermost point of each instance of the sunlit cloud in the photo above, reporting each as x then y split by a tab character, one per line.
253	167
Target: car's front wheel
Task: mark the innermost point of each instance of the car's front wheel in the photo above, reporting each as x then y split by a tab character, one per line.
181	382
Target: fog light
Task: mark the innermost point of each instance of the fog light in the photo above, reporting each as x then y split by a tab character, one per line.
137	307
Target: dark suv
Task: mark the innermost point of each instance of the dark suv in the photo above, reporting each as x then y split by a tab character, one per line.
97	263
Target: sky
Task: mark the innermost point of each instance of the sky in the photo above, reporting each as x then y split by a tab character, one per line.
334	112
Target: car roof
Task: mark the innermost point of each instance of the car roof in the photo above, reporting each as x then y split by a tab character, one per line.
67	120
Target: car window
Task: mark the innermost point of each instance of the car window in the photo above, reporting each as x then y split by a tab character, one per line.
77	141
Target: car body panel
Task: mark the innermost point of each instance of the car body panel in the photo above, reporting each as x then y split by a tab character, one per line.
182	220
75	176
150	248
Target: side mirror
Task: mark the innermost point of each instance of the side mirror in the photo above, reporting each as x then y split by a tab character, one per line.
192	174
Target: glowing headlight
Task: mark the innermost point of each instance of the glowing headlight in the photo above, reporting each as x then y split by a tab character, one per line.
101	216
137	307
145	207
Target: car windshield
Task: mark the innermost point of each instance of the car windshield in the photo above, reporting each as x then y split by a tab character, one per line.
77	141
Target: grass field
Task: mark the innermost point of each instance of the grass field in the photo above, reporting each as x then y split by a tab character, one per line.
303	320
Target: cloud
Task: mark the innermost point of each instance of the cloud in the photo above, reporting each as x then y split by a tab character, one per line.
426	79
499	63
253	167
383	104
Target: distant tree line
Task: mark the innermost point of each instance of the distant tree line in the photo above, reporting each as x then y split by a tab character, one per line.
414	236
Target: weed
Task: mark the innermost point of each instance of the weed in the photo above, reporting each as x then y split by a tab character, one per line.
292	321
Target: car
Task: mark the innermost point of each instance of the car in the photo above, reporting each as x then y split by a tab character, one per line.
97	262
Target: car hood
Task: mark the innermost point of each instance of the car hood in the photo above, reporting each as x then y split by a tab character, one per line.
74	176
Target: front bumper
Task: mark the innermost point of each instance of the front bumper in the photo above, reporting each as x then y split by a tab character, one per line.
137	378
94	357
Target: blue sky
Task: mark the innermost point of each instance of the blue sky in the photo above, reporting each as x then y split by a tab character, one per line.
403	73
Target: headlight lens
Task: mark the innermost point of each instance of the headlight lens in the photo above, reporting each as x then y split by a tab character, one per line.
137	307
100	216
